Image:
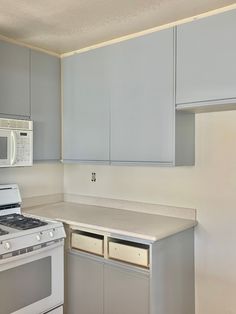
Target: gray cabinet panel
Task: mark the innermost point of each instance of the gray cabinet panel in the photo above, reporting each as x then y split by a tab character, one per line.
172	280
119	104
96	285
206	68
14	80
86	106
84	290
125	291
46	106
142	98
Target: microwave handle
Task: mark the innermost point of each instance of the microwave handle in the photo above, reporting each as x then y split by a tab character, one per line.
13	146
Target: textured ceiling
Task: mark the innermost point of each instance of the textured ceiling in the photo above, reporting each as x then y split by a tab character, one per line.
66	25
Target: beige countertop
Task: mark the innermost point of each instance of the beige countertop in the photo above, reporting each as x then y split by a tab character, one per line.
148	227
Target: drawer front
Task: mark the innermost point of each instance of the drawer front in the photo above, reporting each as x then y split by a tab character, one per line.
129	254
87	243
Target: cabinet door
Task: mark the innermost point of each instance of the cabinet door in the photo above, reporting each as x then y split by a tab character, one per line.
142	98
46	105
125	291
84	288
206	67
86	106
14	80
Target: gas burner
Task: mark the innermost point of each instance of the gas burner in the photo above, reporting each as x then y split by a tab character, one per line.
21	222
3	232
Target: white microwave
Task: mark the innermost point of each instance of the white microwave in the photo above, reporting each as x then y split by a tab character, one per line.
16	143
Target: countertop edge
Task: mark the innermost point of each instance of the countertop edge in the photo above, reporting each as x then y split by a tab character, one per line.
113	231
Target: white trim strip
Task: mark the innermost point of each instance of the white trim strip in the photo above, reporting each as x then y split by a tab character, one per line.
151	30
123	38
19	43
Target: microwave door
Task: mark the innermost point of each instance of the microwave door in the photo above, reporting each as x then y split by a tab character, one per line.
5	148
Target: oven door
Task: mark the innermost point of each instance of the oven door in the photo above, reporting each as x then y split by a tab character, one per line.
32	283
5	148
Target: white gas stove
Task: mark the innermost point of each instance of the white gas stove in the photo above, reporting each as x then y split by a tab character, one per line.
31	259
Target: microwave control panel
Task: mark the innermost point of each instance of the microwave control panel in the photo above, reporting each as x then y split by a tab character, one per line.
24	147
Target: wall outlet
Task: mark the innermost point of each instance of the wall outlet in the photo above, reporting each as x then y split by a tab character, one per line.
93	177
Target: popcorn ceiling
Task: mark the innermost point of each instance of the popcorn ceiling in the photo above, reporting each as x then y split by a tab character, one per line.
66	25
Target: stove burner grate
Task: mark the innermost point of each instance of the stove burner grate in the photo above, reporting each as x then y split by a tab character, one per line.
21	222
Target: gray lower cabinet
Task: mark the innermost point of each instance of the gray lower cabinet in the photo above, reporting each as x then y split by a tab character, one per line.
206	68
86	106
125	291
84	289
116	283
93	287
14	80
46	106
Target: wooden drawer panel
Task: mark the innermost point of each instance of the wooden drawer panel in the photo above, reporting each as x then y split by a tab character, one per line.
128	253
87	243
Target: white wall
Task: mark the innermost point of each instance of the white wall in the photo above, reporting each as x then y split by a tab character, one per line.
39	180
210	187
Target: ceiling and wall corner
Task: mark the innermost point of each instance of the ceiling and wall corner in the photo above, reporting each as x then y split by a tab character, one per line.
61	26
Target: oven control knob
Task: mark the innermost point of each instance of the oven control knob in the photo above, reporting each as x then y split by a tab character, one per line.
38	237
51	234
7	246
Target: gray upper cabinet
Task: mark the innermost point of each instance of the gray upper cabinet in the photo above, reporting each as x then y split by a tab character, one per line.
142	99
46	106
206	67
14	80
86	106
119	104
